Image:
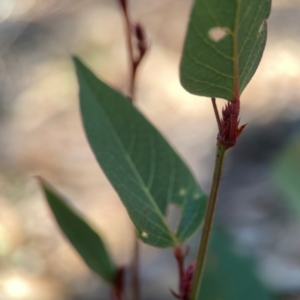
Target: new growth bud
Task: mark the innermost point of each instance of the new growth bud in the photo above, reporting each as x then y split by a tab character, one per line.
139	32
230	129
142	44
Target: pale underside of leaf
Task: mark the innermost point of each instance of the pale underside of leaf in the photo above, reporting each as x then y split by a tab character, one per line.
224	44
141	166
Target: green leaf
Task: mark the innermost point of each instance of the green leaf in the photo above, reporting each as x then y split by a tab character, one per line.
286	173
82	236
229	276
142	167
224	44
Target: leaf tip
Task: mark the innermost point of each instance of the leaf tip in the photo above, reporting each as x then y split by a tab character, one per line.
42	183
76	60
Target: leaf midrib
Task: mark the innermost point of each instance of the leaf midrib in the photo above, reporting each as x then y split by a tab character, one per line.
135	171
236	91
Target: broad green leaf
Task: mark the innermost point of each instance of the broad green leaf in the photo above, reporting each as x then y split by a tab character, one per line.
224	44
82	236
286	172
229	276
142	167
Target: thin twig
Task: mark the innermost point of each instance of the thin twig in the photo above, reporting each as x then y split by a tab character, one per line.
118	288
213	100
178	254
137	46
209	215
132	61
136	270
131	54
135	282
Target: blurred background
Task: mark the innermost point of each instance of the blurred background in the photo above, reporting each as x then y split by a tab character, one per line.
41	133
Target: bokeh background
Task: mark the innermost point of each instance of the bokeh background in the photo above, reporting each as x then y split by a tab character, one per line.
41	134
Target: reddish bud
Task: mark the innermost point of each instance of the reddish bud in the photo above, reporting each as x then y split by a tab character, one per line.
140	32
229	124
143	47
142	44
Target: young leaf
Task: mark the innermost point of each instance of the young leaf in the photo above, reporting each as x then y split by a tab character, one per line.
142	167
85	240
228	276
286	172
223	47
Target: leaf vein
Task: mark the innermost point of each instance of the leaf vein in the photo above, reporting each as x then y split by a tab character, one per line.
209	83
210	68
251	29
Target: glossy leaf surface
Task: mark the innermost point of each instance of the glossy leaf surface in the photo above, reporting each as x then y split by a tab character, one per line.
82	236
142	167
224	44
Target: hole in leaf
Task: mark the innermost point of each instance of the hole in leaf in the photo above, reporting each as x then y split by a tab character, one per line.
173	216
145	234
217	33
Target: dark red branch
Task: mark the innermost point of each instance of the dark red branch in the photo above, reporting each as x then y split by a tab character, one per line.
123	4
218	119
118	289
136	271
137	45
185	275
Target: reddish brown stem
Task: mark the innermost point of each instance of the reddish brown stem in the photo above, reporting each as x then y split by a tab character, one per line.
118	290
117	296
213	100
136	270
137	45
185	275
131	53
180	263
229	131
134	61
